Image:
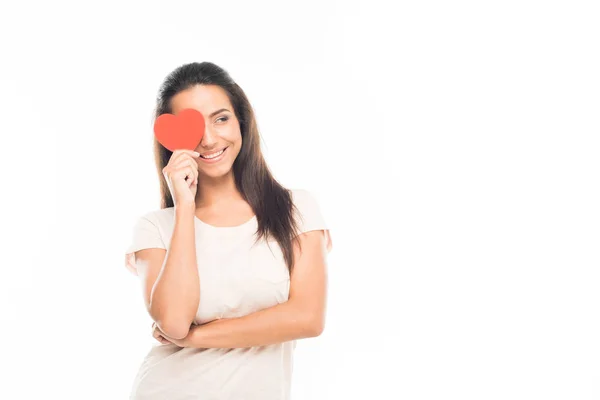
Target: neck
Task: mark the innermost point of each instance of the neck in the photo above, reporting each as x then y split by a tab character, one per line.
213	191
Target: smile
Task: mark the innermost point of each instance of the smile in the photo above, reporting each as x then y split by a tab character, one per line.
214	157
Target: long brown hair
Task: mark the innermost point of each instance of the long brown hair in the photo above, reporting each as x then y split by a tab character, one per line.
271	202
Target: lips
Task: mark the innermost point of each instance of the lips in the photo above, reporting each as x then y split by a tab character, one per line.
212	153
214	159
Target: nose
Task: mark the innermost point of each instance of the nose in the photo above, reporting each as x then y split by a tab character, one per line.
209	139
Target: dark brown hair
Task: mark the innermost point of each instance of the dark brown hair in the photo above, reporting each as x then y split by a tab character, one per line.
271	202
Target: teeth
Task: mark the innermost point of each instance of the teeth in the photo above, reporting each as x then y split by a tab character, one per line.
214	155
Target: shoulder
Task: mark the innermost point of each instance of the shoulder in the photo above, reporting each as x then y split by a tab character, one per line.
164	215
308	214
307	210
302	197
157	213
160	218
154	226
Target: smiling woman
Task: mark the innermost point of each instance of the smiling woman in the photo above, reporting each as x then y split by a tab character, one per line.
233	265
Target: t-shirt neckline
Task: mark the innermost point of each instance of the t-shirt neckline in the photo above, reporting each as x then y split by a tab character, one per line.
225	227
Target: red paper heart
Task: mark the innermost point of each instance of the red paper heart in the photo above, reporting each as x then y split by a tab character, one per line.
181	131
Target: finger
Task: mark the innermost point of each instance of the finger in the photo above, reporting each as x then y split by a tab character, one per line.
194	179
179	155
188	163
159	337
164	341
186	151
179	152
188	172
157	330
177	159
175	164
190	175
183	173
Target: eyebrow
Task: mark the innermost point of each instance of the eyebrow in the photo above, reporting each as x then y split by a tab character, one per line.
216	112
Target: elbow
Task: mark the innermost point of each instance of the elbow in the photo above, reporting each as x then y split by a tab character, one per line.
314	326
173	327
312	319
318	329
175	330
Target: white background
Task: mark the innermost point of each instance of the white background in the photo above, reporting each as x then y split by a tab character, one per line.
453	147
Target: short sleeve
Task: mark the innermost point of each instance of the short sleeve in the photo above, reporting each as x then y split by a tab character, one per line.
145	235
309	215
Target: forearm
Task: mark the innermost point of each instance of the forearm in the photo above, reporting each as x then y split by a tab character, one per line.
176	292
280	323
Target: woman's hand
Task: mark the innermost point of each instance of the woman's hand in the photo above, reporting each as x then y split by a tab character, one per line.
158	334
181	174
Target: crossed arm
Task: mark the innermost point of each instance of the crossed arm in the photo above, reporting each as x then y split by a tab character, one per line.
302	316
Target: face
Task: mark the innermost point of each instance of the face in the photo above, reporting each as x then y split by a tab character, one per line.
222	129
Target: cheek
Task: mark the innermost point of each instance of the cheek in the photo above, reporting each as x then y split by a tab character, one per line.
235	137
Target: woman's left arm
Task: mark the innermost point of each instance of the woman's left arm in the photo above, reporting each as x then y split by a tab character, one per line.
302	316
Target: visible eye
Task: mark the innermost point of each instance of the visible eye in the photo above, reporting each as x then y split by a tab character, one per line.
224	118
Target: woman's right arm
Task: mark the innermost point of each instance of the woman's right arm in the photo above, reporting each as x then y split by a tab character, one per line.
170	278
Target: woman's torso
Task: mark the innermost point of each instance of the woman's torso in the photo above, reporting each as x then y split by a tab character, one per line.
237	277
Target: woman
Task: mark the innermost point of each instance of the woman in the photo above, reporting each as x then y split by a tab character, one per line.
233	265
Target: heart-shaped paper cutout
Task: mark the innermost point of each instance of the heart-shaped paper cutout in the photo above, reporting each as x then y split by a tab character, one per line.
181	131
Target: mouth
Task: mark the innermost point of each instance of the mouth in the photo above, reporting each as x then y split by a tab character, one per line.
214	157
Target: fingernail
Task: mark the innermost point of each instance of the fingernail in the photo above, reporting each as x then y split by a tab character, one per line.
197	154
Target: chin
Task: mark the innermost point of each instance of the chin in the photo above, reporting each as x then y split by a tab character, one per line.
218	172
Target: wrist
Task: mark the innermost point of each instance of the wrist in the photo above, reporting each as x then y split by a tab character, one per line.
185	210
193	339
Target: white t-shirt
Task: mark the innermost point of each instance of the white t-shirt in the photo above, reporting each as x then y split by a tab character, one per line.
236	279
